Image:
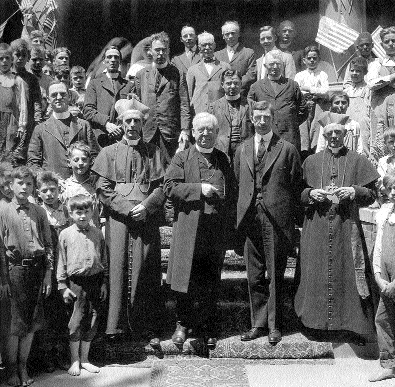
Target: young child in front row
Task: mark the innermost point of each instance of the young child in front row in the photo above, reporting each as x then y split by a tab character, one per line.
384	273
83	264
81	181
27	263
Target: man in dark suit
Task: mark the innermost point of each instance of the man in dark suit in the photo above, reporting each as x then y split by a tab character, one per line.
268	171
285	97
163	89
200	182
100	98
286	43
191	55
233	115
240	58
51	139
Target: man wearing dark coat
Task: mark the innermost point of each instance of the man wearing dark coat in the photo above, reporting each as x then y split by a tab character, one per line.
130	187
285	97
200	183
102	94
334	292
164	90
191	54
268	172
233	115
240	58
51	139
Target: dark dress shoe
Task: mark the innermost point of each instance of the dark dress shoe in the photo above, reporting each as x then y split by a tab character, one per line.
179	335
154	342
211	342
252	334
274	336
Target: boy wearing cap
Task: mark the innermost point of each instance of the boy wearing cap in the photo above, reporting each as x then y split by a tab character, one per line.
130	187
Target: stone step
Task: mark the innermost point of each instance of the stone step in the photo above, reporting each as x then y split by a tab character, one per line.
232	261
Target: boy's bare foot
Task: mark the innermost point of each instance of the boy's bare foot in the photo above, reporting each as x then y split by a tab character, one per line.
75	369
90	368
24	377
384	374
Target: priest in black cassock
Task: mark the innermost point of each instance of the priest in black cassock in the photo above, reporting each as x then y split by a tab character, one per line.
130	187
334	292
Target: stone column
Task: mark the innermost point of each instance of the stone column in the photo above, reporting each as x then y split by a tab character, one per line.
349	12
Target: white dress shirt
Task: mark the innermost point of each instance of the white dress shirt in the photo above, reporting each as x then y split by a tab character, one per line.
231	51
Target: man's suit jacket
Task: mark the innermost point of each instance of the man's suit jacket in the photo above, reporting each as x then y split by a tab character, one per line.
203	88
288	104
243	61
100	100
220	109
281	183
169	104
183	63
47	149
289	66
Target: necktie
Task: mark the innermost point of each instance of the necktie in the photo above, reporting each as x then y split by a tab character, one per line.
158	78
261	150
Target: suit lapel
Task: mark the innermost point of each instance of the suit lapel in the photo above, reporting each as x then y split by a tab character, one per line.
52	128
267	86
249	153
216	68
185	61
237	53
272	153
119	85
225	109
196	58
192	171
203	69
243	109
107	84
163	82
282	87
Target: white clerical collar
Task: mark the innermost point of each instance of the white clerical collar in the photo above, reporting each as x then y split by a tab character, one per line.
61	116
160	66
111	75
272	78
232	49
232	97
204	150
266	137
335	151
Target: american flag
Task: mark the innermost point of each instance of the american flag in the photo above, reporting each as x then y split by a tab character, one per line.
3	25
44	18
335	36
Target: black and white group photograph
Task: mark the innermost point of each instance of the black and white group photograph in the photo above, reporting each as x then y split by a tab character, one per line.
197	193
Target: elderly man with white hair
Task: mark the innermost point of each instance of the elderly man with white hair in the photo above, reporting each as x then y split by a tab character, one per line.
240	58
285	97
200	182
204	78
334	291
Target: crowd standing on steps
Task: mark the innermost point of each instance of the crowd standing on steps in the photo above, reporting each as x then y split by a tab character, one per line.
232	151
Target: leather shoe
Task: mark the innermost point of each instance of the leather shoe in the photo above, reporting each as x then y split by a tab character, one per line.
252	334
211	342
154	342
180	334
274	336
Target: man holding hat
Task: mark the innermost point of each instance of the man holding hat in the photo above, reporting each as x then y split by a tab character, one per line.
333	293
101	95
363	48
268	173
130	187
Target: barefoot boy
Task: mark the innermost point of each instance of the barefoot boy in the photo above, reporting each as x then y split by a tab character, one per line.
82	261
25	239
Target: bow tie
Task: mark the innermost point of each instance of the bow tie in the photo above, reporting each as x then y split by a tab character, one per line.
209	60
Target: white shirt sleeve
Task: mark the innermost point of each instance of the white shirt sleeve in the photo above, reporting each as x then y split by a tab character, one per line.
373	78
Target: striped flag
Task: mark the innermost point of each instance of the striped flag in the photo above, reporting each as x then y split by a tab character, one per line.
335	36
378	50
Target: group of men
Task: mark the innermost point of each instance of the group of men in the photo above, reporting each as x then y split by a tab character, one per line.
184	131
